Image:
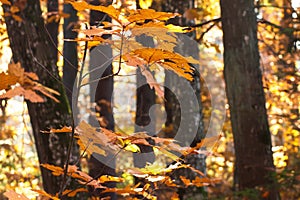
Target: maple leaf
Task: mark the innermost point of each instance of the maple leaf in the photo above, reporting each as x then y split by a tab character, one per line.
12	195
109	10
56	171
72	193
107	178
45	194
168	60
150	14
98	31
7	80
91	139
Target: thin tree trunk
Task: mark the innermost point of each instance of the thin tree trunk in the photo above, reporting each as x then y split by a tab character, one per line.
52	26
252	139
177	95
103	95
144	120
30	47
70	50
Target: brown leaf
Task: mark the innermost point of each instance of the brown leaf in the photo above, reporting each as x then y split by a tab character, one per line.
12	195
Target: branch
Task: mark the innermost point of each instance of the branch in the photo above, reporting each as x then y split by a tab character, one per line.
203	23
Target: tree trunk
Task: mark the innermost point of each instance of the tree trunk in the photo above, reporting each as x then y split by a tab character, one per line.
30	46
252	139
52	25
178	96
102	94
70	50
144	120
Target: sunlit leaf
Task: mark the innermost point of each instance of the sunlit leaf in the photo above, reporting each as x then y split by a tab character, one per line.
12	195
169	60
45	194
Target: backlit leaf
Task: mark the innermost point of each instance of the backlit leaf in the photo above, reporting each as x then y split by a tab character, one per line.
169	60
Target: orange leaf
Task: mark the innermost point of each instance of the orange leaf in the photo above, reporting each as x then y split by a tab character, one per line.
5	2
150	14
7	80
109	10
169	60
43	193
72	193
106	178
56	171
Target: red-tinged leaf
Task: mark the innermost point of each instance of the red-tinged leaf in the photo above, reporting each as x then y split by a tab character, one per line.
265	195
16	91
45	194
12	195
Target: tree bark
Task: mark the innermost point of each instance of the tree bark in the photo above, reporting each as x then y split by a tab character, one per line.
52	26
252	139
103	90
175	109
30	46
70	51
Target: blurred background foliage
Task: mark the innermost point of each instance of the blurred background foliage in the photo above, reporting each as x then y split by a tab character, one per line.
279	44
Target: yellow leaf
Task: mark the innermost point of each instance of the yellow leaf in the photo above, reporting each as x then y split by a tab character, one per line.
132	148
145	4
150	14
109	10
106	178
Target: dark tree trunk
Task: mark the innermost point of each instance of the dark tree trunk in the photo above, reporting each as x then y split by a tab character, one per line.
244	89
177	95
52	26
70	50
144	120
103	95
30	46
